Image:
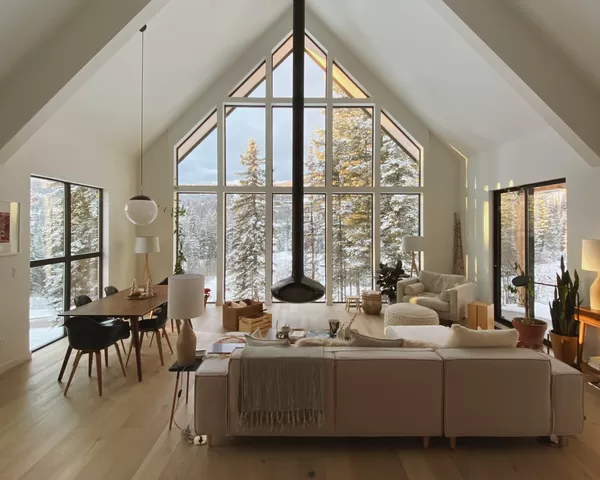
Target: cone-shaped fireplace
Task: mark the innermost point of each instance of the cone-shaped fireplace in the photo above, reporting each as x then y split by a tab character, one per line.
298	288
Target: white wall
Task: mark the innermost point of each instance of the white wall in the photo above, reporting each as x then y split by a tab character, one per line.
56	152
537	157
442	167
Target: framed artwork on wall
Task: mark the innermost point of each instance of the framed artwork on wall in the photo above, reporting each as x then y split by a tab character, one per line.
9	228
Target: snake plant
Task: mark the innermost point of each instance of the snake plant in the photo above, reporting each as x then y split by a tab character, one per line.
566	301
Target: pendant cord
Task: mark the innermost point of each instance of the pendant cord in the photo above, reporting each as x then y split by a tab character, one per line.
143	29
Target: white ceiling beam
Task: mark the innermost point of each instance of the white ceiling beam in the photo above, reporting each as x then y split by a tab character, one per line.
32	92
542	74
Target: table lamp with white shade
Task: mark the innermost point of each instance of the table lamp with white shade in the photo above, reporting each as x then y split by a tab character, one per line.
147	245
413	244
186	301
590	260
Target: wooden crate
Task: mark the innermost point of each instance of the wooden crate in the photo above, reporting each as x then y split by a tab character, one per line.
480	315
262	321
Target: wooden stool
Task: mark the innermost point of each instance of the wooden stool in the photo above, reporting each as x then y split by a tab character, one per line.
353	301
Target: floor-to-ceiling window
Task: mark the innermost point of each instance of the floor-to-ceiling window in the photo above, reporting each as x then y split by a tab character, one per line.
530	238
65	253
362	177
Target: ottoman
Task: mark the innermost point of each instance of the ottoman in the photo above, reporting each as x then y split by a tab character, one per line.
410	314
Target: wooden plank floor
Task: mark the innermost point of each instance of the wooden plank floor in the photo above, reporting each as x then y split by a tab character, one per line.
124	434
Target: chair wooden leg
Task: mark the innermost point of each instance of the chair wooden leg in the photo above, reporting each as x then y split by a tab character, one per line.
75	363
172	326
174	401
120	358
106	357
129	352
168	341
123	345
209	441
99	371
178	323
152	339
156	335
425	442
65	362
90	363
452	443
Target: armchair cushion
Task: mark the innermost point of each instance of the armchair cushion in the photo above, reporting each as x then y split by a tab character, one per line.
414	289
402	284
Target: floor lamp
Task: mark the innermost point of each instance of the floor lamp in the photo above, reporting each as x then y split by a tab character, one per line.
147	245
413	245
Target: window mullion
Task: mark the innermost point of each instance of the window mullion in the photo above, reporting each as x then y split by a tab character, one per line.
67	266
376	183
220	205
269	204
328	186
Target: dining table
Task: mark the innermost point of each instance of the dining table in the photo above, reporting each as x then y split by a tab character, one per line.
119	305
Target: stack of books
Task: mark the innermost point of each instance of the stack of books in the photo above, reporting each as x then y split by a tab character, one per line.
594	362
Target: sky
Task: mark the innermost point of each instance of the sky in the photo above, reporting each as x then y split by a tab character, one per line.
200	166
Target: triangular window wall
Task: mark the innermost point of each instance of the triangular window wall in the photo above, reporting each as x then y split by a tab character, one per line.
359	164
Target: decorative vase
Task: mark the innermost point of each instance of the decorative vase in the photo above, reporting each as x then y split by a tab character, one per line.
564	348
186	345
531	331
205	299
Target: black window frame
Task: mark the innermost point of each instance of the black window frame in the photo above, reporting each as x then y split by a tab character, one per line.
67	259
529	264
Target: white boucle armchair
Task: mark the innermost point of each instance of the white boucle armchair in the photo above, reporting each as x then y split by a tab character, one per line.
447	294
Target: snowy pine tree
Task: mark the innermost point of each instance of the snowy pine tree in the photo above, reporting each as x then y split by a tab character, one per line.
246	231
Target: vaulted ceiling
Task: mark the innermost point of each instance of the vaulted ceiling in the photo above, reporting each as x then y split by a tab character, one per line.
412	47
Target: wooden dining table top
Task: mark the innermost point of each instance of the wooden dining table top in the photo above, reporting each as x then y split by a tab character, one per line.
118	305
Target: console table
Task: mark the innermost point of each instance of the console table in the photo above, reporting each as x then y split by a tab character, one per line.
587	317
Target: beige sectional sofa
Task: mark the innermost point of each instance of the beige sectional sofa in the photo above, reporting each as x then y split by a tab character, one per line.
398	392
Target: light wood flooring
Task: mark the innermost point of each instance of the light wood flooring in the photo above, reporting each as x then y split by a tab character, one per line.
124	434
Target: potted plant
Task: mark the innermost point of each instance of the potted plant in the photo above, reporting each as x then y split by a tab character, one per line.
531	331
565	327
206	295
388	278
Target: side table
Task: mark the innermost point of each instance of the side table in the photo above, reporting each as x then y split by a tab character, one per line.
180	370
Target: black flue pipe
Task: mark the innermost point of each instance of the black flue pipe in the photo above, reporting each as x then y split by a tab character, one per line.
298	288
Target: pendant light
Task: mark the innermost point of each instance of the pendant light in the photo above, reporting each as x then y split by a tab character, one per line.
298	288
141	210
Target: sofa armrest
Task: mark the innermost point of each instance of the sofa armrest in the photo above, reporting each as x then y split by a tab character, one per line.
459	297
404	283
567	399
210	400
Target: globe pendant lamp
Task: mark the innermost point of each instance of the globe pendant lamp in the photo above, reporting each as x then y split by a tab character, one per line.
141	210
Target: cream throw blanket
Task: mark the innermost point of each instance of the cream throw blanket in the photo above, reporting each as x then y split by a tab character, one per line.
281	387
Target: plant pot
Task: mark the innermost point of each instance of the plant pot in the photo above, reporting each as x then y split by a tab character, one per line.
531	331
391	300
565	348
205	299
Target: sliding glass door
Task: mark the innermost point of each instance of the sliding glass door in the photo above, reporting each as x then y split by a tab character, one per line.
530	228
65	253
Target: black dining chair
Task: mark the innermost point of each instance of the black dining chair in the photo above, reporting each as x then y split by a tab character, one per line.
156	325
88	336
81	300
110	290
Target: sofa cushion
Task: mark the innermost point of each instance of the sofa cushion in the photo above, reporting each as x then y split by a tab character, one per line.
434	282
429	300
438	282
360	340
414	289
262	342
462	337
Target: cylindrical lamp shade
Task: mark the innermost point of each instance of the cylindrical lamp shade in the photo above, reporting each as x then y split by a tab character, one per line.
141	210
186	296
590	255
147	245
412	244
